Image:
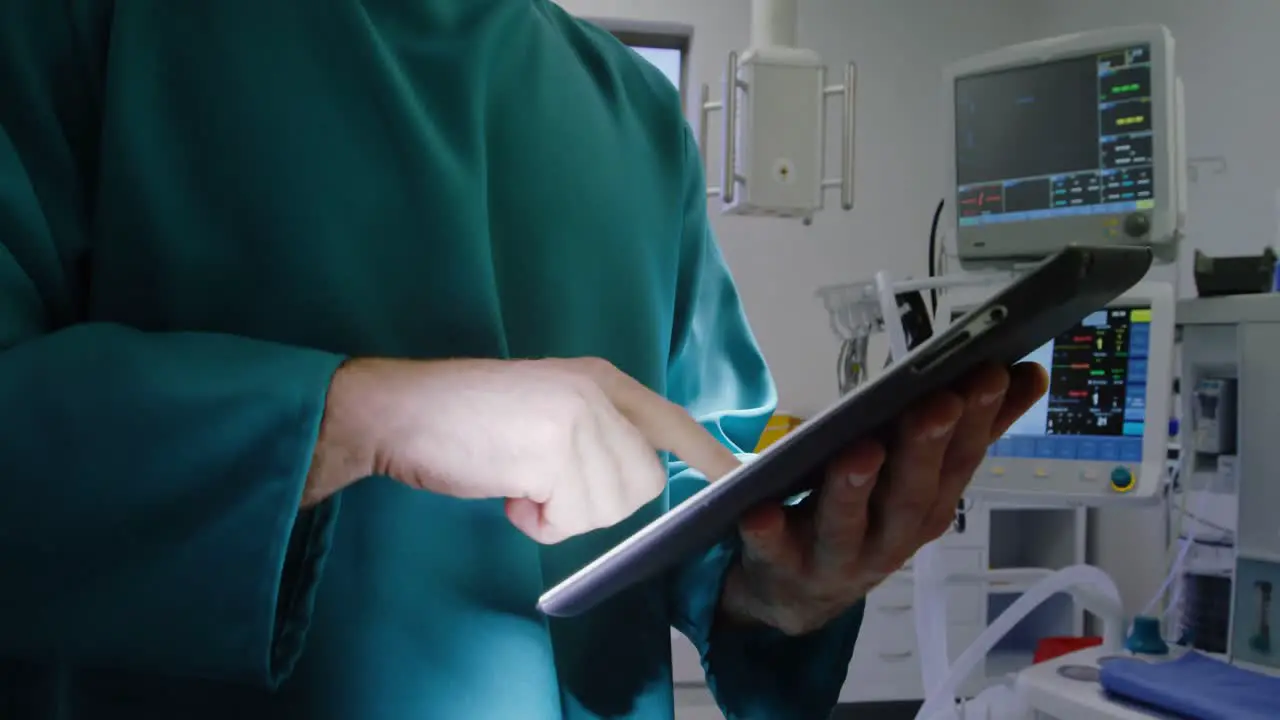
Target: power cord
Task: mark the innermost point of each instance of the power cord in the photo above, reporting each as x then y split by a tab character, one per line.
933	256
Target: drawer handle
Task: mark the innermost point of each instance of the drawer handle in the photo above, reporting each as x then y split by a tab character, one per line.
895	609
896	656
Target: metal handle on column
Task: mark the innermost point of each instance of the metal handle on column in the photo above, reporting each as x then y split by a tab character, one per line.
847	136
704	112
728	179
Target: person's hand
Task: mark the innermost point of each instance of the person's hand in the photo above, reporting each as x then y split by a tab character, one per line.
802	567
571	444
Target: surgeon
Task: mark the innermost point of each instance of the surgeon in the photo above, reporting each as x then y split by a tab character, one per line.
333	333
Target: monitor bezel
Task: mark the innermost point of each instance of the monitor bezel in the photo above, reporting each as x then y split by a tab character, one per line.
1029	240
1019	483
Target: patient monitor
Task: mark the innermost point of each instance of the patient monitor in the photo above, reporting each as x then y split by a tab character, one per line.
1075	139
1100	434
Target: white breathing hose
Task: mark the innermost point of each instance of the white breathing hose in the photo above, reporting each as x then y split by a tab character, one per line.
1092	588
929	599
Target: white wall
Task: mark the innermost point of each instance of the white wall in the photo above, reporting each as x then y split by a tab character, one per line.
900	47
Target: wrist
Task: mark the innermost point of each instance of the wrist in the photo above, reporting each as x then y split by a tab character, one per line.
342	454
760	598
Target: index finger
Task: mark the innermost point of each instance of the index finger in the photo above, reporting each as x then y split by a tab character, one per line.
666	425
1028	382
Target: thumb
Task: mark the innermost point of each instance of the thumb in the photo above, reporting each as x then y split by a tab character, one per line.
527	516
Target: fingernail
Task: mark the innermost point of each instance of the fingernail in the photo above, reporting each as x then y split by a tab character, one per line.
940	431
858	480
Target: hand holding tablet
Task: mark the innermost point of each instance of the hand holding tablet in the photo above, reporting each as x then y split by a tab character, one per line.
804	566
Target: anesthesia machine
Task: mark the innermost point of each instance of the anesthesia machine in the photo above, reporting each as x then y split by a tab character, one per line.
1072	139
1076	139
1226	344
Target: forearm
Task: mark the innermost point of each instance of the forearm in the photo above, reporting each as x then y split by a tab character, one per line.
149	482
141	471
759	672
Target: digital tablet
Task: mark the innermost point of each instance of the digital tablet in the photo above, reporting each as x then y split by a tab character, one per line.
1030	312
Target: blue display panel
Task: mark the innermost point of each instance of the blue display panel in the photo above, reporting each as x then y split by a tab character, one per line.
1115	208
1096	405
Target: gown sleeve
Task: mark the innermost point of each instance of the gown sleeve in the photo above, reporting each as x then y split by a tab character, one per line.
149	482
719	375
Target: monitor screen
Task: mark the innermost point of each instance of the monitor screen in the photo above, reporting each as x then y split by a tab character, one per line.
1096	405
1067	137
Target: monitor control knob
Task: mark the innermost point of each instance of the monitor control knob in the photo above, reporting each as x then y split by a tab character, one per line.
1122	479
1137	225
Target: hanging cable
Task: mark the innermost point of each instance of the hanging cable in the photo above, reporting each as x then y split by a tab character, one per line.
933	256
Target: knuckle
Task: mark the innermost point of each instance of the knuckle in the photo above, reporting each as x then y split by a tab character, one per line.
608	516
792	624
851	567
951	403
888	566
976	456
554	520
851	498
999	376
575	404
867	580
916	507
654	488
582	388
896	558
596	368
939	524
552	436
545	436
644	489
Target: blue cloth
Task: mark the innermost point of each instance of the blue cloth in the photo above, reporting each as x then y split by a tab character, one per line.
1195	687
205	207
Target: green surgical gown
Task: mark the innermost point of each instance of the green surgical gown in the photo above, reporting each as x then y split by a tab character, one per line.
205	207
